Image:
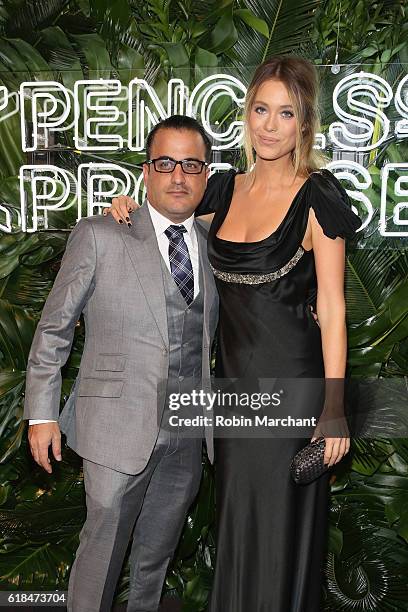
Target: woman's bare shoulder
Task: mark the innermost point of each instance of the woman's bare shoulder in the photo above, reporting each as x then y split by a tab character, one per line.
243	182
240	179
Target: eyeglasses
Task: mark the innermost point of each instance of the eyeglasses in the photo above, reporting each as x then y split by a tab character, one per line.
168	164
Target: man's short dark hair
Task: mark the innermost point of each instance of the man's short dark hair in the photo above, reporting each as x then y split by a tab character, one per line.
179	122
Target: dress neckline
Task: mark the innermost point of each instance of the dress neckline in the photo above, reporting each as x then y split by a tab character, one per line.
225	213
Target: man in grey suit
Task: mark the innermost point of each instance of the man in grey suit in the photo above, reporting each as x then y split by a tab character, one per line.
150	307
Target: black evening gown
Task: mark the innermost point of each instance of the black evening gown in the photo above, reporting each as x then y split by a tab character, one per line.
272	533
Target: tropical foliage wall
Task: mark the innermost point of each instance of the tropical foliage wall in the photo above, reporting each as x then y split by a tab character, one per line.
41	515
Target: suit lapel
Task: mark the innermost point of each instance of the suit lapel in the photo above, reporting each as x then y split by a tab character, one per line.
141	243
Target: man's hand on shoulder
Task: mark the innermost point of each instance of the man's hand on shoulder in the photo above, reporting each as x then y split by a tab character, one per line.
40	437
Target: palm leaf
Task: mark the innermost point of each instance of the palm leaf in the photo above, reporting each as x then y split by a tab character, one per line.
61	55
11	412
12	247
367	280
94	56
373	341
31	565
369	455
57	515
27	286
17	327
289	23
11	156
367	574
27	16
36	64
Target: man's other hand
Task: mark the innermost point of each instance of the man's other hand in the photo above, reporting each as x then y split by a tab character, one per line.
40	437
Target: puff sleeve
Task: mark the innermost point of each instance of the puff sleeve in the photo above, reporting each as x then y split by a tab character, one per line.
331	205
215	192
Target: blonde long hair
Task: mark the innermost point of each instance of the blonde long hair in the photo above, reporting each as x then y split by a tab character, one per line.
300	78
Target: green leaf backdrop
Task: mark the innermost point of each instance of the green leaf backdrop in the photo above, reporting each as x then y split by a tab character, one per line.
41	515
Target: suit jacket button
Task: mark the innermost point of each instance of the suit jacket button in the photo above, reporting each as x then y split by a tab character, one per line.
164	351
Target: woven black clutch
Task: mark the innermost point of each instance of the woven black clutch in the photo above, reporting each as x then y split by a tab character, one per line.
308	463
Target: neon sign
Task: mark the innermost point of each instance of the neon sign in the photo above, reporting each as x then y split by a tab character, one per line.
106	116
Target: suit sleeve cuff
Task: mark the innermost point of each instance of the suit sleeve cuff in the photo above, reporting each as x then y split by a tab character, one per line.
38	421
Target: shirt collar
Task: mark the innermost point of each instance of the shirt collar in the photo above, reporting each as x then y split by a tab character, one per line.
161	223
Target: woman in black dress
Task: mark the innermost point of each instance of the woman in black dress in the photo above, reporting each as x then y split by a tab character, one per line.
276	245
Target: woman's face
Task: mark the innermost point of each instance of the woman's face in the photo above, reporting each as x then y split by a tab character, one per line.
272	122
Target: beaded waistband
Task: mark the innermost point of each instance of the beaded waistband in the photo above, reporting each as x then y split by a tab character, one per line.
257	279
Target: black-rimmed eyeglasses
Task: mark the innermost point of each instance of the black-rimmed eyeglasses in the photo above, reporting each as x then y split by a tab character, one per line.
168	164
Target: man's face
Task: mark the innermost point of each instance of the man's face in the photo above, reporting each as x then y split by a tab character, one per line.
176	195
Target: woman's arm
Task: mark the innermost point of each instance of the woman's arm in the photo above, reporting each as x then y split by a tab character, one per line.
330	262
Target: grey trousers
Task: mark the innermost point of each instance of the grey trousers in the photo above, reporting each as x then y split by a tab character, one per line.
153	504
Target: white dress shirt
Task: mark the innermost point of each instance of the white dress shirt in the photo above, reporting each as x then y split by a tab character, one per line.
160	224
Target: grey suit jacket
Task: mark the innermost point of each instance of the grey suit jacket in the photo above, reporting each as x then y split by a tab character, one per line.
113	275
